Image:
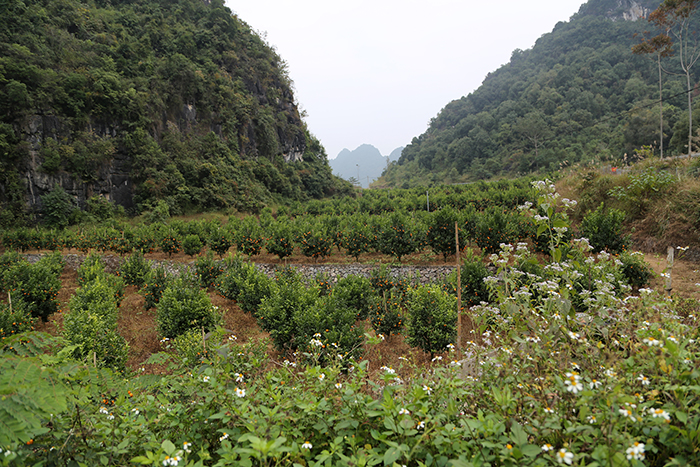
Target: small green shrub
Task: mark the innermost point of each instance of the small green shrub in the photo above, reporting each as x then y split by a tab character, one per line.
334	322
603	229
190	347
382	280
36	284
635	270
159	214
323	282
54	262
91	324
249	239
135	269
474	290
170	243
96	341
183	307
276	312
356	293
495	226
207	270
398	236
220	242
432	319
228	283
156	282
441	232
57	207
18	239
281	241
15	318
356	240
96	297
253	286
93	268
387	313
192	245
314	242
100	208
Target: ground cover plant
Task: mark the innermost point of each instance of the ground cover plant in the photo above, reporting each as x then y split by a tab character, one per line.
564	364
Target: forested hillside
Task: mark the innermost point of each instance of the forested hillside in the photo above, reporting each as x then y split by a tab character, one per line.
579	94
140	101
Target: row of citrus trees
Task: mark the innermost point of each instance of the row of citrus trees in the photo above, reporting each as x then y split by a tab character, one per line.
506	194
568	365
396	234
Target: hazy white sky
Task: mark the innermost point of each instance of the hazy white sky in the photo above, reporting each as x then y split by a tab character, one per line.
376	72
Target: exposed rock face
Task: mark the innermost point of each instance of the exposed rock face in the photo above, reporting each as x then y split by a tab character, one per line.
634	12
111	180
629	10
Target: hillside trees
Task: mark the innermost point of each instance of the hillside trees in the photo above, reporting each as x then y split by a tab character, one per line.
580	90
191	102
535	129
661	46
675	17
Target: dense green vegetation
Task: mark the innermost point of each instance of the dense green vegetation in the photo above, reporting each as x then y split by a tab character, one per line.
181	100
578	95
395	223
566	364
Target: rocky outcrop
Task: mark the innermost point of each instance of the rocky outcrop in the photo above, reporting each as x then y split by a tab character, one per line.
628	10
634	11
111	180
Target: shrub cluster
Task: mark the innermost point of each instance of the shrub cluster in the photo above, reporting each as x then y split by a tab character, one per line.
184	306
91	324
37	284
135	269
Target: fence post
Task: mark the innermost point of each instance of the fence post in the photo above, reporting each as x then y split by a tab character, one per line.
459	293
669	269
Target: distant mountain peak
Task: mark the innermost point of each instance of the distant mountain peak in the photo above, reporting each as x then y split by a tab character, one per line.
364	164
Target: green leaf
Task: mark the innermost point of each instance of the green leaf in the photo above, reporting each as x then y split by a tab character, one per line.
391	455
518	435
682	417
530	450
559	223
168	447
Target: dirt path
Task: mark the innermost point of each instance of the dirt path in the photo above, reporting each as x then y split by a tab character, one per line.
685	275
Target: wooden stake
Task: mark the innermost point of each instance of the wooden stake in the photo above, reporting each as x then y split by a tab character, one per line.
459	292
